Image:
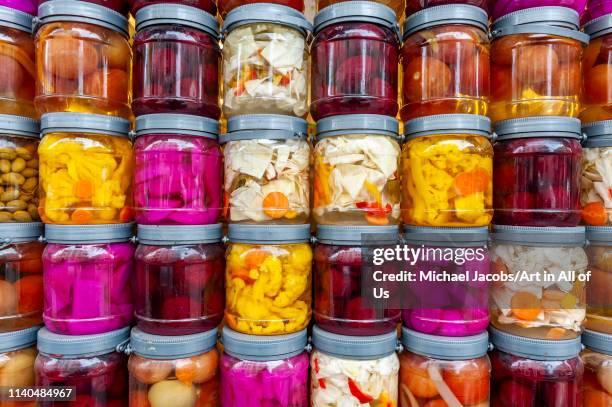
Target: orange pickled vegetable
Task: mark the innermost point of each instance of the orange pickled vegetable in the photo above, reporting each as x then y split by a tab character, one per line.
470	384
376	219
275	205
594	214
8	298
239	272
596	398
30	292
472	182
69	57
81	216
139	399
414	376
197	369
83	189
555	333
436	403
525	306
125	215
254	258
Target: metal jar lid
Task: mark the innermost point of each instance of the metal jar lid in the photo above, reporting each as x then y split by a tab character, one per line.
83	122
354	347
89	234
597	341
550	20
536	349
11	341
19	126
265	126
171	347
170	235
159	14
16	19
268	234
266	13
446	237
598	134
353	235
263	348
599	235
539	236
180	124
463	14
446	348
541	126
361	11
357	124
81	12
599	27
448	124
20	232
72	346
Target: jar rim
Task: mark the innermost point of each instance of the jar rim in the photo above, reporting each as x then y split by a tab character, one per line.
69	122
265	126
599	235
374	124
427	235
19	126
172	235
162	13
263	348
539	236
536	349
597	341
82	12
268	234
354	347
448	124
356	11
446	348
180	124
20	232
16	19
266	13
598	134
354	235
599	27
71	346
15	340
448	14
538	126
89	234
171	347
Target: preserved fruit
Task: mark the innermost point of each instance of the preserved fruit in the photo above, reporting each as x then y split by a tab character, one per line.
599	252
597	359
17	356
597	71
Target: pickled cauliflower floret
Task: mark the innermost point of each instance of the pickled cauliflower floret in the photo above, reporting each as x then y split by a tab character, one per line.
596	184
268	288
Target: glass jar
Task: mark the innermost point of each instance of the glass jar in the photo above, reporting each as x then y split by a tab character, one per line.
595	200
537	170
178	170
412	6
354	60
597	359
599	286
549	302
179	279
356	179
17	59
90	363
265	61
535	64
269	371
267	169
445	61
21	276
177	371
176	61
209	6
19	169
25	6
447	171
339	259
225	6
441	371
596	9
87	278
17	356
268	279
86	169
397	5
84	59
535	373
448	308
353	370
500	8
597	71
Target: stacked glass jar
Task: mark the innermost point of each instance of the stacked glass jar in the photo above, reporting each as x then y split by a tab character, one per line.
596	181
17	358
597	69
597	359
599	299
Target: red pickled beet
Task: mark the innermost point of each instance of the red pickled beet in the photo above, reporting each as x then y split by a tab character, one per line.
514	394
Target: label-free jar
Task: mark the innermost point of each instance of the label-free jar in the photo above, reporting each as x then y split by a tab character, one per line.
597	71
86	169
87	277
179	279
267	169
84	59
599	286
268	279
596	181
21	275
17	356
178	170
597	359
259	371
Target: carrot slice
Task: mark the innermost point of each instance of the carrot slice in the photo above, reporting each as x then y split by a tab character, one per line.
125	215
595	214
83	189
525	306
472	182
81	216
254	258
275	205
376	219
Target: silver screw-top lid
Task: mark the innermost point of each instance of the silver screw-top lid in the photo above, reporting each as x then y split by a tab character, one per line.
597	341
599	27
447	14
357	124
89	234
268	234
358	11
354	347
446	348
263	348
539	236
15	340
160	14
180	124
16	19
72	346
266	13
446	237
540	126
82	12
599	235
169	235
171	347
265	126
598	134
19	126
62	122
448	124
355	235
536	349
20	232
